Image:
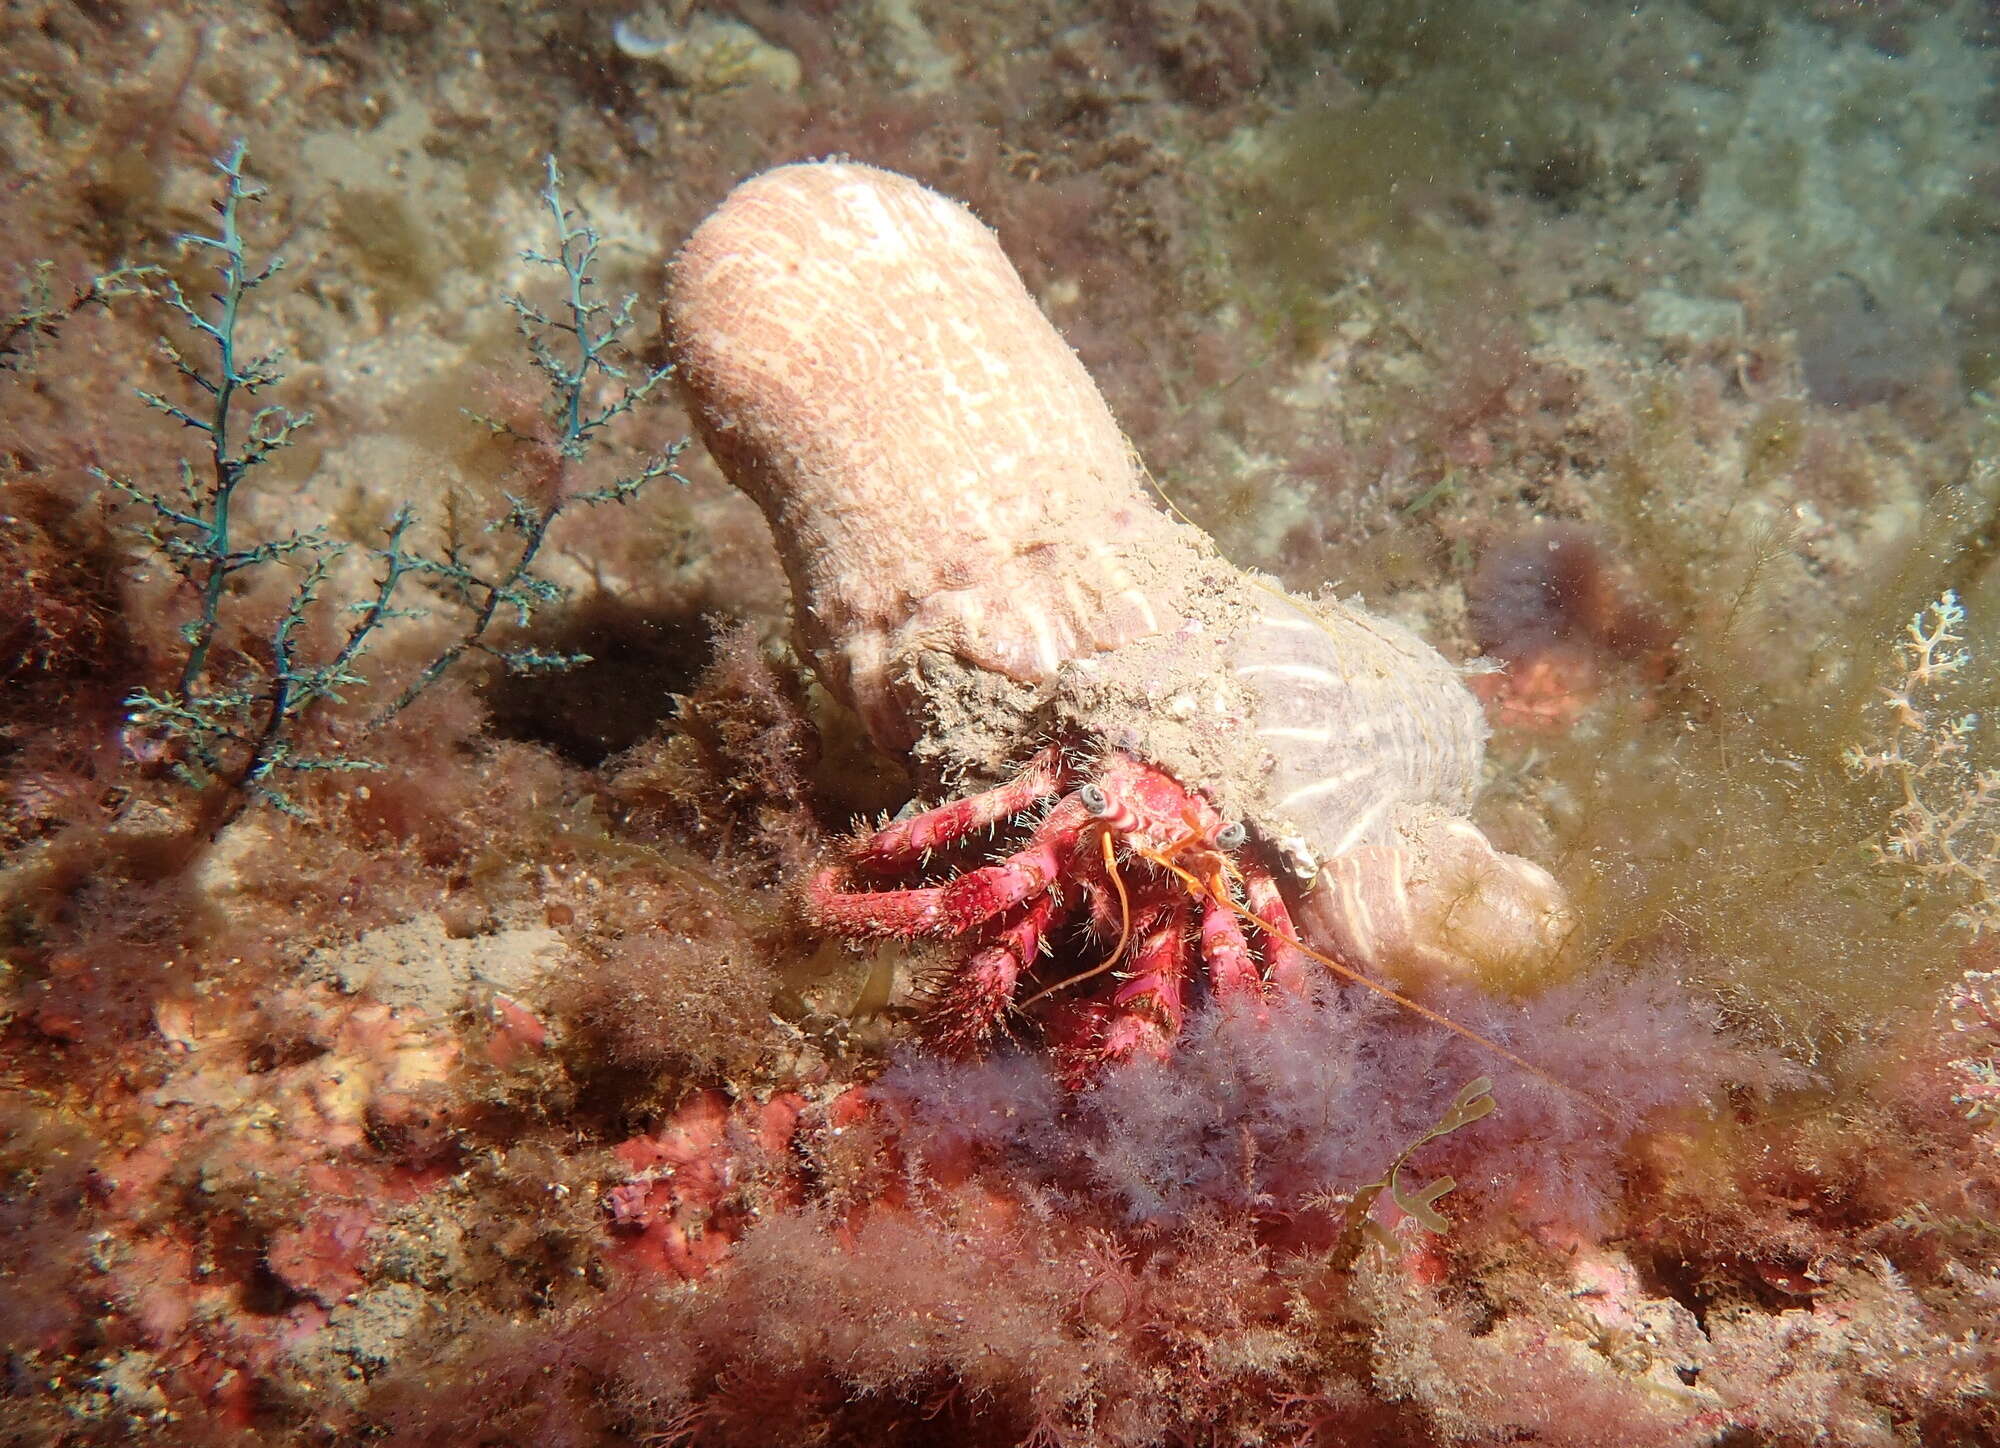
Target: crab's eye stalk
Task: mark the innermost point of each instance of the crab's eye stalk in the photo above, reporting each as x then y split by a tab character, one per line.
1095	799
1231	836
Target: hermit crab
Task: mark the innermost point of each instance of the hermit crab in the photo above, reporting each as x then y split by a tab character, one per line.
1226	782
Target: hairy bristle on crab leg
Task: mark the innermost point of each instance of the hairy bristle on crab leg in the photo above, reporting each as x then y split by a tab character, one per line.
963	903
968	1006
1231	970
908	840
1146	1011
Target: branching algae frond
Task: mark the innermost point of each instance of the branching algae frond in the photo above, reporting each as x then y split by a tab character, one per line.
234	721
573	350
1474	1102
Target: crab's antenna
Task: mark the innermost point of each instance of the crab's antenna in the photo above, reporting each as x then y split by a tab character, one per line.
1154	483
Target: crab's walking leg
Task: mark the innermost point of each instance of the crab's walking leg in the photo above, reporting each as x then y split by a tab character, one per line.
1232	973
957	905
978	993
1146	1012
1287	968
906	841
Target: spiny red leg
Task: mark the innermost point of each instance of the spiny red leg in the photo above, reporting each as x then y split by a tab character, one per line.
970	1006
1226	953
957	905
1146	1011
907	841
1288	968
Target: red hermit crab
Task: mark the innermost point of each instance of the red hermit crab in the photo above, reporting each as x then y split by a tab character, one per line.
1202	765
1151	917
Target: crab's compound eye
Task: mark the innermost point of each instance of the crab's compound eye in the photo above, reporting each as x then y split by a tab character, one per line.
1095	799
1231	836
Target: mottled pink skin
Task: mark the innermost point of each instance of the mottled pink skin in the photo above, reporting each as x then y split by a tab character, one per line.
1150	1003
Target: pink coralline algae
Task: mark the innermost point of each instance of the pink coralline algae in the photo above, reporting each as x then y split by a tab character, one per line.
978	569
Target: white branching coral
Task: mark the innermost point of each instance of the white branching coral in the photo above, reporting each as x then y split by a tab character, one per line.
1946	824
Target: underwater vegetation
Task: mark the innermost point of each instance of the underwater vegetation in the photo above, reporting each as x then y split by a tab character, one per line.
231	734
505	1091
